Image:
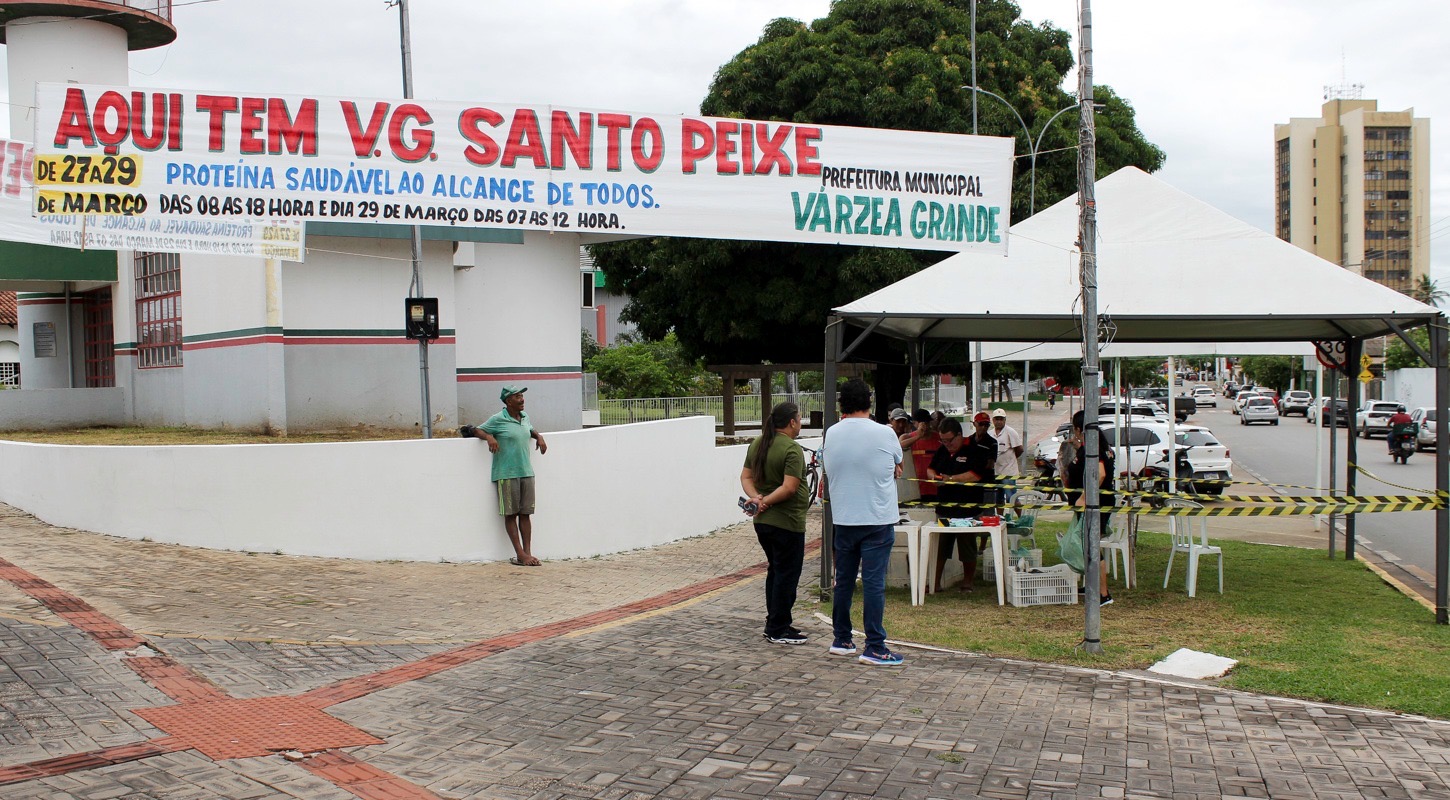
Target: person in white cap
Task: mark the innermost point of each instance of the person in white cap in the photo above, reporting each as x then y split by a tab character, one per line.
1009	450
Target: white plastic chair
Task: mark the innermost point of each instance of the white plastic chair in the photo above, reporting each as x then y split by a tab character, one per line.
1023	528
1115	547
1182	534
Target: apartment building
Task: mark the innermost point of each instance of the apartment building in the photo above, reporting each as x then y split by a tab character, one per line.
1353	186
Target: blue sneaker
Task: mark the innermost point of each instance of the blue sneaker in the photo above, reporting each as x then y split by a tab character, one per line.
881	657
839	648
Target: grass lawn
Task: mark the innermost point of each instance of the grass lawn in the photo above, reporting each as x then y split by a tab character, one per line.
1299	624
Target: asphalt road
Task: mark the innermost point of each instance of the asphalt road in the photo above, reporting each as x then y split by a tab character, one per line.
1284	453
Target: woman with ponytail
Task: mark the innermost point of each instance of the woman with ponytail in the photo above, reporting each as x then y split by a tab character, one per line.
774	481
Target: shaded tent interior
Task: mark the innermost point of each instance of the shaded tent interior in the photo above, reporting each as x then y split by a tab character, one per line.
1171	269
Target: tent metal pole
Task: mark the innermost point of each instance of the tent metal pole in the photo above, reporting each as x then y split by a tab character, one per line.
1333	408
1352	349
1026	404
977	382
1318	434
835	330
1438	352
913	354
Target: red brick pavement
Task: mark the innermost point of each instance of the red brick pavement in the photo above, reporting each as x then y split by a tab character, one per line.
205	718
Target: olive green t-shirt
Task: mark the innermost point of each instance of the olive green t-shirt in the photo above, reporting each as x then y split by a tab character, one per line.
783	459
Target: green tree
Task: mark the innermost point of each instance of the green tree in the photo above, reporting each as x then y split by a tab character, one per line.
1142	372
896	64
1399	356
588	348
1428	291
1271	371
649	369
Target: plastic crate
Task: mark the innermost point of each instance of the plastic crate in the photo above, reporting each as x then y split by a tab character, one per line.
989	567
1048	587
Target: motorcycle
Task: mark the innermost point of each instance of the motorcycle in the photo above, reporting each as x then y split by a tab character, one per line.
1402	442
1155	478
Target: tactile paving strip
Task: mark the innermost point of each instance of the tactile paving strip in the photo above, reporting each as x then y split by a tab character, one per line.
223	729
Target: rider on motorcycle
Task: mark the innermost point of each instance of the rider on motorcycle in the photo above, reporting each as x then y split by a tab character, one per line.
1395	432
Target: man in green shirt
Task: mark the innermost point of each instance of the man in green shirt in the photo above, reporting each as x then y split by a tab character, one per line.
508	433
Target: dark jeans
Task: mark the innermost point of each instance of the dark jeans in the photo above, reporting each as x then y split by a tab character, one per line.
867	549
784	552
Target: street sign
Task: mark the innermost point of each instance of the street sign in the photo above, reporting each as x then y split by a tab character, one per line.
1331	354
1364	362
1365	376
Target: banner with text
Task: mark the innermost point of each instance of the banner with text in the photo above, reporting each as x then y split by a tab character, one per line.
264	238
223	156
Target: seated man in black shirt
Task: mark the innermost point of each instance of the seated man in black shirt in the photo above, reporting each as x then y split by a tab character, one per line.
1073	482
959	464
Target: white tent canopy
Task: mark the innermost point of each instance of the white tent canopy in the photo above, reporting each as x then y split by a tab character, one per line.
1171	268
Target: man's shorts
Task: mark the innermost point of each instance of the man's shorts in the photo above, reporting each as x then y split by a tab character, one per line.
515	496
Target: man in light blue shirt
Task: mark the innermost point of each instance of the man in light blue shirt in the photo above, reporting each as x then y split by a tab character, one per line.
862	461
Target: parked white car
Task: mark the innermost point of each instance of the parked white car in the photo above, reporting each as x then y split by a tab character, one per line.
1146	409
1244	397
1137	446
1211	460
1259	409
1204	396
1374	418
1296	402
1425	418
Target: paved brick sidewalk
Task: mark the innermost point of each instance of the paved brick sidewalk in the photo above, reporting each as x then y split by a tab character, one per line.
655	685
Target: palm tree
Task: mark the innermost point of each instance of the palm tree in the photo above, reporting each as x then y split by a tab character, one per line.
1428	292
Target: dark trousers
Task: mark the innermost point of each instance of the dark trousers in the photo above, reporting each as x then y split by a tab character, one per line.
784	552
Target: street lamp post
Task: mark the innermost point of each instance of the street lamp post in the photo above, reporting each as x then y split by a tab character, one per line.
1035	146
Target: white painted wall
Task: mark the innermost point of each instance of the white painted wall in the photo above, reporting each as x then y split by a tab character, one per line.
518	314
1413	387
220	294
602	490
93	52
45	409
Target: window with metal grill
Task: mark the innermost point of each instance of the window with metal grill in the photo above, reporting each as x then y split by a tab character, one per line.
158	309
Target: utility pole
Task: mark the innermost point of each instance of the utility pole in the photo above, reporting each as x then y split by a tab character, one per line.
416	287
1088	230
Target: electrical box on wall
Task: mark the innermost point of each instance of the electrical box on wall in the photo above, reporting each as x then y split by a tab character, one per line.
421	318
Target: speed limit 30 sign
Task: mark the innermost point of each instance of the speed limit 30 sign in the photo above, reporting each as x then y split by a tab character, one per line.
1332	354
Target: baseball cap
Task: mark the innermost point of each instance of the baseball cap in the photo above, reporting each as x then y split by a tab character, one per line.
981	416
899	413
503	394
997	412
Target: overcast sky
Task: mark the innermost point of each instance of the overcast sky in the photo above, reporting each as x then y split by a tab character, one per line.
1208	80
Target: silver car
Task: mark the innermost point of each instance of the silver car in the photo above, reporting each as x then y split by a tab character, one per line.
1259	409
1425	419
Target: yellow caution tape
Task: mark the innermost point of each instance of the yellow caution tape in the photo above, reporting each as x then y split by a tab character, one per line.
1364	471
1344	505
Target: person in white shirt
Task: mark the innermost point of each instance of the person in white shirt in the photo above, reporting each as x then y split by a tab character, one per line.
1009	450
862	461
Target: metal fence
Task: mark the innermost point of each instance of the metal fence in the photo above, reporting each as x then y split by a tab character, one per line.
747	408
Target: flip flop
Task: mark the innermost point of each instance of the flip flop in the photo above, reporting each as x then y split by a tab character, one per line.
515	561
